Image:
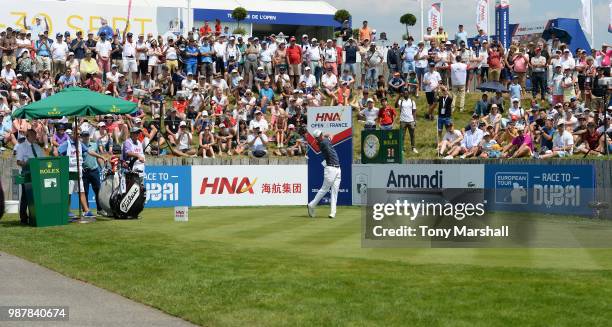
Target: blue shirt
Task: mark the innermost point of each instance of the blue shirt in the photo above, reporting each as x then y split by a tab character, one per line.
544	142
409	52
515	91
43	50
106	30
192	53
203	49
329	153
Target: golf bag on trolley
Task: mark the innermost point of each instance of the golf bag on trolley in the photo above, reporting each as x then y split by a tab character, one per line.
122	195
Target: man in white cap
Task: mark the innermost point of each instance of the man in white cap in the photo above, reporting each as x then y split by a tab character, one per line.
331	174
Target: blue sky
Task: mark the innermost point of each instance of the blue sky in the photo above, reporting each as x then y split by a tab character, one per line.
383	15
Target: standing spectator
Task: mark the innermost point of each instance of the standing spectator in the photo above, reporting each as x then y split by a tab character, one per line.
458	72
538	74
294	60
394	61
330	57
407	108
421	63
130	65
386	115
370	114
365	33
350	50
495	63
373	59
43	53
59	53
91	44
445	109
520	63
431	81
460	35
191	58
78	46
142	50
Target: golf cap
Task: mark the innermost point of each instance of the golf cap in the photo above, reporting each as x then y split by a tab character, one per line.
291	126
69	131
561	124
370	100
137	120
101	124
558	105
258	112
84	133
515	100
520	127
307	68
494	105
317	133
181	124
432	64
204	113
234	70
448	43
190	74
222	125
260	68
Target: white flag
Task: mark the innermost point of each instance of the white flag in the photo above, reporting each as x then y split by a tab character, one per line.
435	15
482	15
586	16
610	24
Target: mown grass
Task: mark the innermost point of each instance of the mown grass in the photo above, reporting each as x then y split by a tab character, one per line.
275	267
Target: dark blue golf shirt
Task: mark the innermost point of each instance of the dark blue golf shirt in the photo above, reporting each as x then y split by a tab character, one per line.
329	153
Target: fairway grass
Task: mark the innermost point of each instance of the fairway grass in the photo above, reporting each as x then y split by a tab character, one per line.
276	267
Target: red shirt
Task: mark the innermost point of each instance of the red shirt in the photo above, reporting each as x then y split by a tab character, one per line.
386	116
494	59
294	54
217	29
339	56
592	139
205	30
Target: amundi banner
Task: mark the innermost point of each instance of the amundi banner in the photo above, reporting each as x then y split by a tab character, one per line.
377	176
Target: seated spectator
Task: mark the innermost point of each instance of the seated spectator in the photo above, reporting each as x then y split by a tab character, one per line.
295	142
219	83
381	88
521	146
281	79
180	105
260	78
489	147
258	142
94	83
396	84
493	118
67	80
591	142
207	143
563	144
88	66
482	106
182	142
344	94
308	78
470	143
266	95
260	122
188	84
225	136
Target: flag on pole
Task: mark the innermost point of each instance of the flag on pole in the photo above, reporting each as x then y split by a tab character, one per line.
482	15
586	16
610	24
435	15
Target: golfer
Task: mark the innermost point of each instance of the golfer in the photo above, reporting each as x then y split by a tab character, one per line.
331	174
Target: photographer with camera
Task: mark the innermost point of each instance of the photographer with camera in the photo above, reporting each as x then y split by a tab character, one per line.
258	142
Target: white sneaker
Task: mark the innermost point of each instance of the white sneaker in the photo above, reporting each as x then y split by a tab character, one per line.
414	150
448	158
331	216
462	156
311	211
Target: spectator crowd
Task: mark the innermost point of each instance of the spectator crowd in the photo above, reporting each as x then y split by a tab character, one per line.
211	93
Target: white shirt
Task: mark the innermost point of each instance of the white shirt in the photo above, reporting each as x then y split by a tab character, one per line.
452	136
258	144
171	53
406	107
262	124
8	75
266	55
561	141
184	140
142	46
434	79
24	151
472	138
21	42
370	115
219	49
59	51
113	77
188	85
314	53
421	63
129	50
329	81
330	54
310	80
458	73
103	48
221	83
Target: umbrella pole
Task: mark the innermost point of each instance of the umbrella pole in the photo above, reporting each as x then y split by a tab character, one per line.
78	150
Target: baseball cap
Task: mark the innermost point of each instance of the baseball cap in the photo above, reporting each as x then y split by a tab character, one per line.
370	100
291	126
182	123
448	43
69	131
101	124
317	133
494	105
84	133
515	100
520	127
137	120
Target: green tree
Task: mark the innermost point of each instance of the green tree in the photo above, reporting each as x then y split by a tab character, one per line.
239	14
342	15
408	20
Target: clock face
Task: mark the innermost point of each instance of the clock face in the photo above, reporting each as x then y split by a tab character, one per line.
371	146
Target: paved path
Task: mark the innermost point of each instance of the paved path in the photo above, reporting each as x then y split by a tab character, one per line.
26	283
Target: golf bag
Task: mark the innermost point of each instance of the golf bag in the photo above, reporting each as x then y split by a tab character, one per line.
128	199
110	183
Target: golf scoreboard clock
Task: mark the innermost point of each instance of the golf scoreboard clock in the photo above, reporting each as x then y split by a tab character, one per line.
381	146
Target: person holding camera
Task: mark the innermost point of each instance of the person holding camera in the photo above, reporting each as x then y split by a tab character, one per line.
258	142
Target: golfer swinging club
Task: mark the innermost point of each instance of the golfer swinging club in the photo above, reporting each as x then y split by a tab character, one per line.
331	174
